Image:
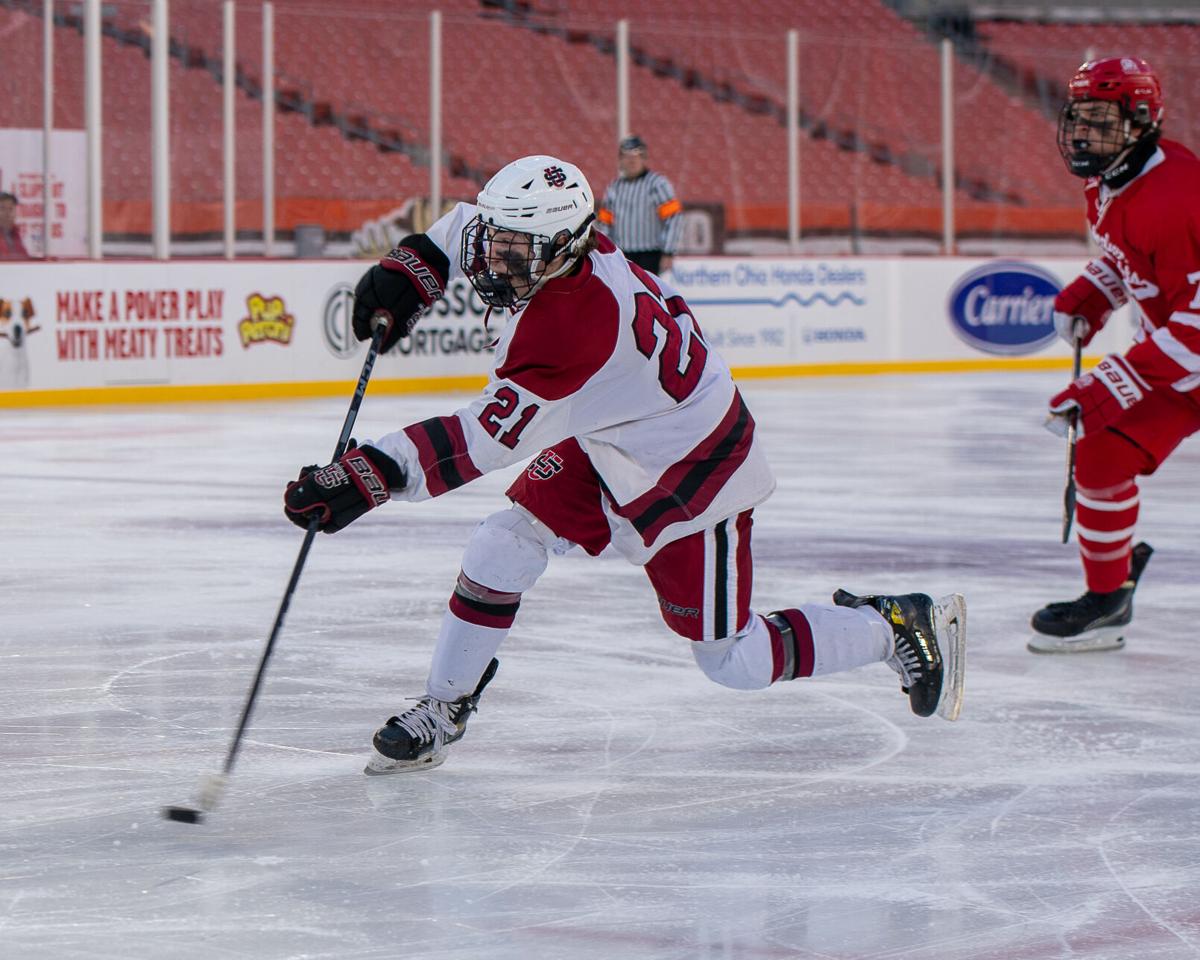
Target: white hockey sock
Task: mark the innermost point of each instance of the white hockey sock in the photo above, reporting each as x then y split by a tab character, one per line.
462	653
742	662
847	637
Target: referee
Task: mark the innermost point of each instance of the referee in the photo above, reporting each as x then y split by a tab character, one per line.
640	211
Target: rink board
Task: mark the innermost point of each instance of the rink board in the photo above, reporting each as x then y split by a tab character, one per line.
84	332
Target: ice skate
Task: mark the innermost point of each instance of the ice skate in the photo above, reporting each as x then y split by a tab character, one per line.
418	738
930	649
1094	621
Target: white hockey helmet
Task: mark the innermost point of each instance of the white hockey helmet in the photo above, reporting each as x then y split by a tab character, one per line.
550	203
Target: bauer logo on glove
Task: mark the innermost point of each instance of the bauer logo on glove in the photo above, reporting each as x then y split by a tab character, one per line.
1097	398
338	494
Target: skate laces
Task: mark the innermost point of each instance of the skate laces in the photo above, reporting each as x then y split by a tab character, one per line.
429	716
905	660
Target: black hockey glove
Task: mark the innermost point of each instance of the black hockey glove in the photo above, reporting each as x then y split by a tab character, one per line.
340	493
401	286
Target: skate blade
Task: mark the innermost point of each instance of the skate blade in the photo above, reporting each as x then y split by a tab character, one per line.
1092	641
950	628
380	766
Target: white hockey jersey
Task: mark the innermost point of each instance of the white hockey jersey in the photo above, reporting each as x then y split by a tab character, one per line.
611	356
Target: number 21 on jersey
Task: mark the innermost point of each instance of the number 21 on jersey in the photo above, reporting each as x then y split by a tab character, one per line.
500	409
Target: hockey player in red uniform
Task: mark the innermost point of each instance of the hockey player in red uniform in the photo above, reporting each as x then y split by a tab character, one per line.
1143	208
638	438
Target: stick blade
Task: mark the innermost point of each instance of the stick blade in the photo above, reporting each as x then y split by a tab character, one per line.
183	814
211	790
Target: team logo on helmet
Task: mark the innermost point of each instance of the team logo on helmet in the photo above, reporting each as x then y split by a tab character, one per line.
555	176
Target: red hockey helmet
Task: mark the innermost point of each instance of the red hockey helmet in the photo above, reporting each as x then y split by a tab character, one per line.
1126	80
1111	104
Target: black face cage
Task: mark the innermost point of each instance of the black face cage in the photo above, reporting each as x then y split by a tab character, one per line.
505	266
1090	144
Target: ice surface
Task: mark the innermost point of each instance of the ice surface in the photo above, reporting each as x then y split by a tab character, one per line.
608	801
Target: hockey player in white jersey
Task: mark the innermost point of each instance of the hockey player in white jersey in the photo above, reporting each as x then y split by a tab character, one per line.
636	436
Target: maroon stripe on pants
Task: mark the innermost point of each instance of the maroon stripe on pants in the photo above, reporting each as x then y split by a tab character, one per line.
745	569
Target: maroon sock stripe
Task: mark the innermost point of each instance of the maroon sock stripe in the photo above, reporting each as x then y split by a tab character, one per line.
483	606
806	653
477	591
499	615
687	488
792	651
778	651
442	452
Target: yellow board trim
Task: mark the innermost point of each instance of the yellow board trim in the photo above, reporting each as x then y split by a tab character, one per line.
907	366
222	392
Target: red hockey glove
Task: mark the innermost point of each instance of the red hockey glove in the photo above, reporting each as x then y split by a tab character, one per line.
402	286
1100	396
338	494
1084	305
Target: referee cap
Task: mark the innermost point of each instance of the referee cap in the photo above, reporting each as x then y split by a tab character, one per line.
632	144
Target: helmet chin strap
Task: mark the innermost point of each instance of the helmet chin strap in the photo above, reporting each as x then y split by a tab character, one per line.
1129	162
570	248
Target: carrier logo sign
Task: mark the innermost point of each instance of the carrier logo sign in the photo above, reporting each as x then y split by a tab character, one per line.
1004	307
337	318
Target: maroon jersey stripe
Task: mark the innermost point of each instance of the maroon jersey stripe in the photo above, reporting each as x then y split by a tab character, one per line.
687	488
442	451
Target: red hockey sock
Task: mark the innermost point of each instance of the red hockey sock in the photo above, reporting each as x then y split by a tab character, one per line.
1105	520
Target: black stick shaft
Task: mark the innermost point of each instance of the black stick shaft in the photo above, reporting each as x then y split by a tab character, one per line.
1072	436
309	535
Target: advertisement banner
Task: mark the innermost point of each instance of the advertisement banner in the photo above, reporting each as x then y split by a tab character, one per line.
778	312
960	308
89	326
21	175
86	325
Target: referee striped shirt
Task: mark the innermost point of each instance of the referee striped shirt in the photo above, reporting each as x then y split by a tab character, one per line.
641	213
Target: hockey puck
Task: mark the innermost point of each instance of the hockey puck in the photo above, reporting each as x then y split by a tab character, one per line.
182	814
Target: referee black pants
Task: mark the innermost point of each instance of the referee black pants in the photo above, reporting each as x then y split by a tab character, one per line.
646	259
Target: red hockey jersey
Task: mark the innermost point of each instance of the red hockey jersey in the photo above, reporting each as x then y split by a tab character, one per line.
1149	232
612	356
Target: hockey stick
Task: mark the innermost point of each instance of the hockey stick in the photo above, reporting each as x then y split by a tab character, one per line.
213	786
1072	432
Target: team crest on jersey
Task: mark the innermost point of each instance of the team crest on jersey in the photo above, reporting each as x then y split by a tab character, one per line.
555	176
544	466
